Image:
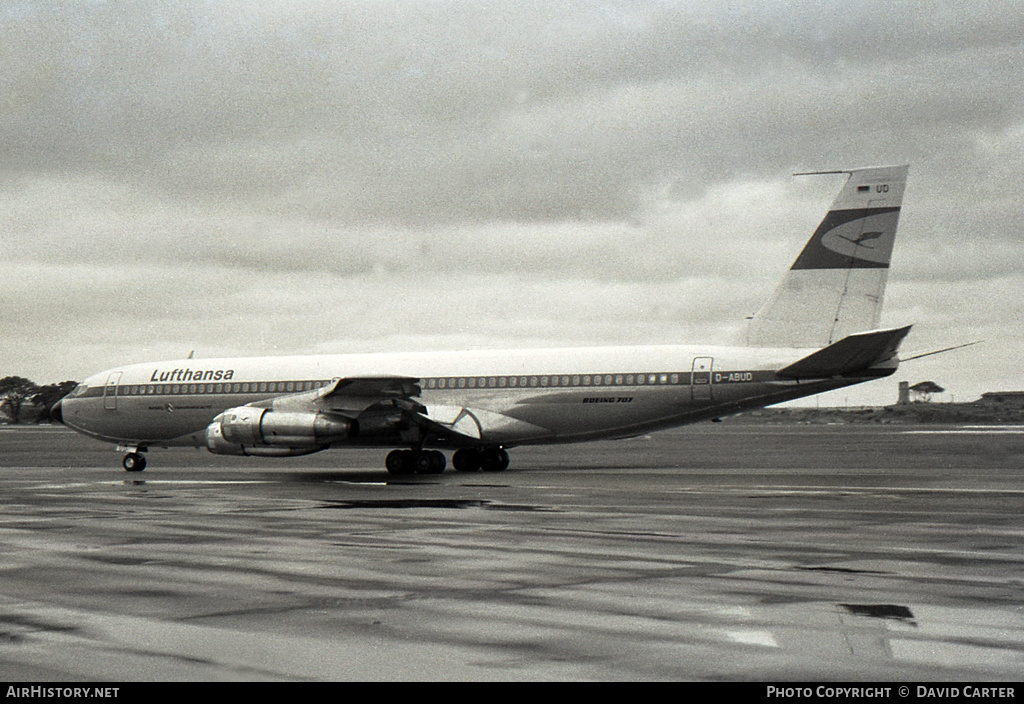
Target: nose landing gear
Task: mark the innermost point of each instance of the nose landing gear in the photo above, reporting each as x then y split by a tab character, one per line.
133	462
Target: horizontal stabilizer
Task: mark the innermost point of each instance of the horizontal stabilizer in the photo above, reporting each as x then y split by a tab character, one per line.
852	354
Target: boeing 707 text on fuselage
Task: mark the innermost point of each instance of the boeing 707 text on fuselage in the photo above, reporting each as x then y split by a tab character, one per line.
818	332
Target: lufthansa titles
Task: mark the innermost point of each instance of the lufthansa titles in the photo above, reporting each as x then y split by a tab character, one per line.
189	375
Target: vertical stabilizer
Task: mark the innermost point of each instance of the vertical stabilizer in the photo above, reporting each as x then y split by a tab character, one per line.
835	287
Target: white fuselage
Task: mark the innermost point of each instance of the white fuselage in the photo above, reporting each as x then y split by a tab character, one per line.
516	397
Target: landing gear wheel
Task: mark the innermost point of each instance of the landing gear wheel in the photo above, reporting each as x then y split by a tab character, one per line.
133	462
466	460
399	462
430	462
494	460
404	462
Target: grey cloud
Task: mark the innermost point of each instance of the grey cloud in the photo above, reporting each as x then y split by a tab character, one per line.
429	113
309	173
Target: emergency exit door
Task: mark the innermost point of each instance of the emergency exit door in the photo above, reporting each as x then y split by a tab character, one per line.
110	391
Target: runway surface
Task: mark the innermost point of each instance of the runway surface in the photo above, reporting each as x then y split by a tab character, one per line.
717	552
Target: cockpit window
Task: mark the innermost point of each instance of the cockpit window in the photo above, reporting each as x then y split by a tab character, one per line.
78	390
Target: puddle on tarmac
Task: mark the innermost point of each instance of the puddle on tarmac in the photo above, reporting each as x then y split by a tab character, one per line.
889	611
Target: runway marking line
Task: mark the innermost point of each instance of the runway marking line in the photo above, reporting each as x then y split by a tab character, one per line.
970	430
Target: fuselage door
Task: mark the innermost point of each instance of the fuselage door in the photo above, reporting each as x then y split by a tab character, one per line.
110	391
700	379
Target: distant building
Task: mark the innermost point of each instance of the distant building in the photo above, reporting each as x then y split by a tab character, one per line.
919	392
1007	398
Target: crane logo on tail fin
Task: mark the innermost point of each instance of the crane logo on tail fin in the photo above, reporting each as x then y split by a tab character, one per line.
864	238
860	239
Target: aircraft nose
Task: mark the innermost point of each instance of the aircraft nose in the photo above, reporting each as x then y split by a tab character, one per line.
56	412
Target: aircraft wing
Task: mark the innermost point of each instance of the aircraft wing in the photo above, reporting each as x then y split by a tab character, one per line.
356	394
853	354
393	402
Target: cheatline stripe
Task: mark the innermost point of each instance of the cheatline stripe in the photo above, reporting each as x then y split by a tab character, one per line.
446	383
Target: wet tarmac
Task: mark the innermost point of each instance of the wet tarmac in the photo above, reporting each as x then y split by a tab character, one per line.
717	552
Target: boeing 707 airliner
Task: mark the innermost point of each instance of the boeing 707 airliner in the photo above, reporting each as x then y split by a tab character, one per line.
818	332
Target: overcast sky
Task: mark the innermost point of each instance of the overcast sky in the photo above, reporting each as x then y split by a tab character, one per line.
243	177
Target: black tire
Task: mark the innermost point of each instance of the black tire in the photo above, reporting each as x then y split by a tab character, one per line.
429	461
440	461
133	462
466	460
399	462
494	460
424	462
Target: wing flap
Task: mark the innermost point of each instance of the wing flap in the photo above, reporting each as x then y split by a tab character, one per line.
853	354
451	419
476	424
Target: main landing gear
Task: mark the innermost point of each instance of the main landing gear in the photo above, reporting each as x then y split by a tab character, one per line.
469	459
401	462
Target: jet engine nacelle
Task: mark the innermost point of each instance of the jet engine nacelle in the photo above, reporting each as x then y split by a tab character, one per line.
261	431
216	444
